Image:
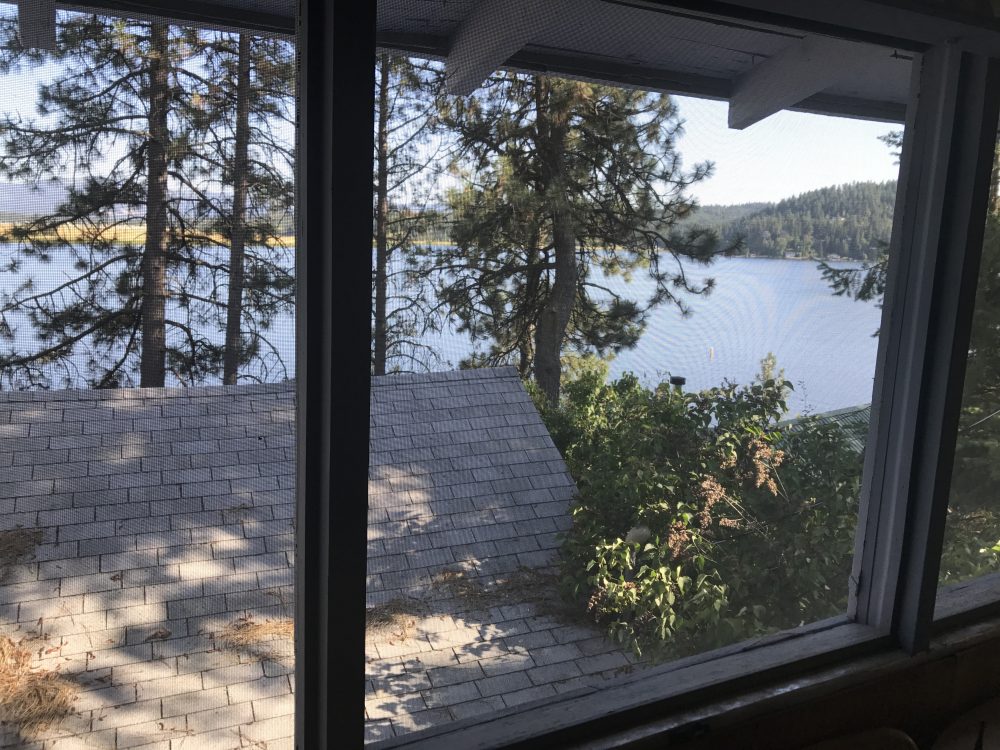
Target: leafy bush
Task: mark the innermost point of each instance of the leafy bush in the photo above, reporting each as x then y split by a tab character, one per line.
971	546
700	519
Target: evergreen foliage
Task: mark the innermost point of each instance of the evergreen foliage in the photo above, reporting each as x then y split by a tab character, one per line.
406	154
717	217
241	172
847	221
139	126
563	179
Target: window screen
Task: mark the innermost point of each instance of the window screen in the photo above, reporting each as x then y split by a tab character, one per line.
972	533
623	349
147	365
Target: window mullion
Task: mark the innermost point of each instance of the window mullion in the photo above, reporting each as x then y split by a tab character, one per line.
336	99
934	257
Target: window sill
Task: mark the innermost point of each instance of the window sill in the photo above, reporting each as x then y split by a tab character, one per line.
581	715
680	700
970	601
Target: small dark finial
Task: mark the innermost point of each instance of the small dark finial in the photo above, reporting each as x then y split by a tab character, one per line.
677	380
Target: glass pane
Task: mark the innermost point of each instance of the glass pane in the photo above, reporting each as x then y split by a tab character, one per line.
622	365
972	533
147	412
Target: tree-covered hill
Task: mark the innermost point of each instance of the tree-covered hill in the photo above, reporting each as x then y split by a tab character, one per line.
717	217
850	221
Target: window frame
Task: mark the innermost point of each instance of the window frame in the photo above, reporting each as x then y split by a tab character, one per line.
940	216
926	323
941	210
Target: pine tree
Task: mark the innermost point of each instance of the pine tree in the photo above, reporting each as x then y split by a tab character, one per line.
238	235
111	97
124	126
566	181
843	220
239	171
406	92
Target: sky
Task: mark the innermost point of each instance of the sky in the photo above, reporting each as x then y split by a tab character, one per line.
784	155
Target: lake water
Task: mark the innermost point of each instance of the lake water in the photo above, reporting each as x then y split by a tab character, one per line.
823	343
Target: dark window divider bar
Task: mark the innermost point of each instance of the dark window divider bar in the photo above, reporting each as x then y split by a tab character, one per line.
337	43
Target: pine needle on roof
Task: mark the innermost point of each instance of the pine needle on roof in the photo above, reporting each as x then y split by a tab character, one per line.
31	699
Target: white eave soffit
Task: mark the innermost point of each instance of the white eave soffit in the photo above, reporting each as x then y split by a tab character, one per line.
495	31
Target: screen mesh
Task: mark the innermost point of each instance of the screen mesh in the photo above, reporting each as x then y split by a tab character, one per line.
623	346
147	364
972	533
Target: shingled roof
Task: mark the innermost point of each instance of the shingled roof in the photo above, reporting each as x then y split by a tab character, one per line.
467	499
162	518
462	472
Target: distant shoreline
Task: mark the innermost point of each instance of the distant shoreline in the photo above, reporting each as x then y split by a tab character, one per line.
136	233
838	259
132	233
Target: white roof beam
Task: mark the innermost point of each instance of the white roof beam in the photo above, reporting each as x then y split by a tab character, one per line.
805	68
494	31
36	20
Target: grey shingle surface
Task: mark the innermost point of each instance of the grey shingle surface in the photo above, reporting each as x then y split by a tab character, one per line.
449	462
465	480
167	514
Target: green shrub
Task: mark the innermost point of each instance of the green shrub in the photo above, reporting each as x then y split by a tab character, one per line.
700	521
971	546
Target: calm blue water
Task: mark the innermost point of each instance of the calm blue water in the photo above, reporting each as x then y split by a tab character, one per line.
823	343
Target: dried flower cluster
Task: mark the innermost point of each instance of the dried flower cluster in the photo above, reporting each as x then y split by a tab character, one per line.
678	539
711	493
761	461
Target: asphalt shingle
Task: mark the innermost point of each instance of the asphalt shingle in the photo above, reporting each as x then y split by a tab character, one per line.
167	514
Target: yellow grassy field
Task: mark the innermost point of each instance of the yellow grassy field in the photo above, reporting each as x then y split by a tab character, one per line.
132	233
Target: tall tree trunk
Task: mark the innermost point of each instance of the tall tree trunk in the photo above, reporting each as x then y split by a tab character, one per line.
380	335
535	263
234	309
154	260
550	331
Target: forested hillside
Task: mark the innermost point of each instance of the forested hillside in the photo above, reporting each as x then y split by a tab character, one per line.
850	221
717	217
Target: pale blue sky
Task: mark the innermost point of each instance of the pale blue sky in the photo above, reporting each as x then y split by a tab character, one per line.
787	154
